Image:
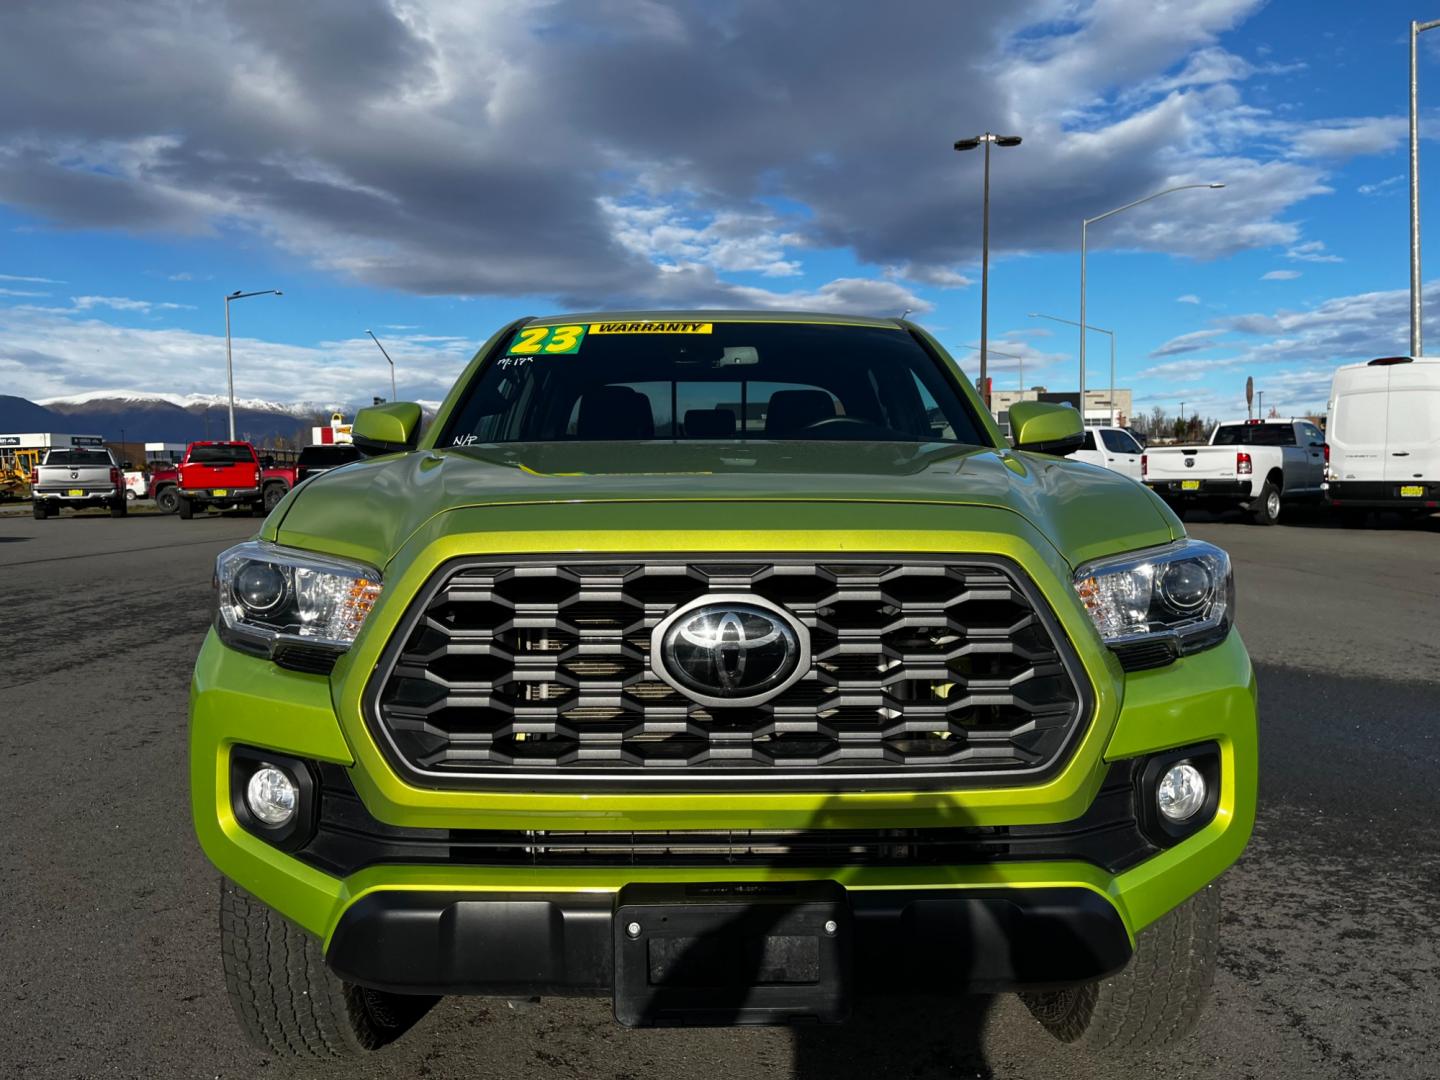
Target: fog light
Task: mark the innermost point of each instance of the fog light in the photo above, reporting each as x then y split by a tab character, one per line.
1181	792
271	795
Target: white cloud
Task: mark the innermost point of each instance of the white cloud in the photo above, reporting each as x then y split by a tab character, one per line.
21	292
31	280
1382	187
1280	275
413	146
1312	251
125	303
54	352
1350	137
1194	341
1188	298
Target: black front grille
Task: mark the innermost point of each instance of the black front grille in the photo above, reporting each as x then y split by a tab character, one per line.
921	670
347	839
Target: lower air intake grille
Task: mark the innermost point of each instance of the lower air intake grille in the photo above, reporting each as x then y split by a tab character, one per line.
928	671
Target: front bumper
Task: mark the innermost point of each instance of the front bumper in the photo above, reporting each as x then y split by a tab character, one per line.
563	943
477	927
1208	489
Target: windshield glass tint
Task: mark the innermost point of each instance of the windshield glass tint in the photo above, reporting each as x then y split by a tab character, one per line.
1255	435
78	457
221	455
738	381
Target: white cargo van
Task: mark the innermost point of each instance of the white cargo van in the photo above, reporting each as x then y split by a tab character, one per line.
1384	435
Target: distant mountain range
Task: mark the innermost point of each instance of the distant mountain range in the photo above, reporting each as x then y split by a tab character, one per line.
149	417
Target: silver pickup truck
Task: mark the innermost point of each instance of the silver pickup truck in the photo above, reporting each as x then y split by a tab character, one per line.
78	477
1256	464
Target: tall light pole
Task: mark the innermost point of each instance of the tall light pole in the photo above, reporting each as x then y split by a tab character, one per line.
1020	367
229	366
391	362
971	144
1084	229
1416	29
1098	330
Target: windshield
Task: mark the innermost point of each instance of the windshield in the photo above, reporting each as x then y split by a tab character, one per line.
1255	435
221	455
727	381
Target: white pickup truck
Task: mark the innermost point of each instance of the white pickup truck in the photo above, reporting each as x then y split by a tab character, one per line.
78	477
1259	465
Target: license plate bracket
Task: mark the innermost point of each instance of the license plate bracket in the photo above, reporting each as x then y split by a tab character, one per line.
763	953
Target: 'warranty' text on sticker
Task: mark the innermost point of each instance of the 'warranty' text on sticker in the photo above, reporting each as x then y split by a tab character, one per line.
547	341
651	328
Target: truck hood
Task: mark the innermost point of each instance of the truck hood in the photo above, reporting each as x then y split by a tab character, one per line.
370	508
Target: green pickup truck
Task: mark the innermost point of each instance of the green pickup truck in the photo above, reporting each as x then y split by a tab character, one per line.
730	666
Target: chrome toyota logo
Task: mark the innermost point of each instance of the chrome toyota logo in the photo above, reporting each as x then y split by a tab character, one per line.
730	650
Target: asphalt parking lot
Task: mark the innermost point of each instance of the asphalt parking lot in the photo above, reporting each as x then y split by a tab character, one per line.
1330	964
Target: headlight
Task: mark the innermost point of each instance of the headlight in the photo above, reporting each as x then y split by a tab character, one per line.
271	596
1175	599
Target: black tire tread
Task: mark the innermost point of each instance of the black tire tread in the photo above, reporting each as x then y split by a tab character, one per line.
1156	1000
288	1001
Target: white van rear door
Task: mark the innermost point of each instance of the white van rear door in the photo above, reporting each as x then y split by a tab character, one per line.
1412	445
1358	419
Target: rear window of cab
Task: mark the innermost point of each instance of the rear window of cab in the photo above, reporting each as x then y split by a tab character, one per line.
718	381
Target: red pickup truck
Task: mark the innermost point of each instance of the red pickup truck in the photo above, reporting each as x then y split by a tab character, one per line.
276	480
221	474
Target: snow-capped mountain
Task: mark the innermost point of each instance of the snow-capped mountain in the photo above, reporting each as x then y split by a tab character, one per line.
189	401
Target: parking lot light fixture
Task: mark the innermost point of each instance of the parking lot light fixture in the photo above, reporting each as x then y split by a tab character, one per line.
1416	29
1085	224
970	144
393	395
1098	330
229	366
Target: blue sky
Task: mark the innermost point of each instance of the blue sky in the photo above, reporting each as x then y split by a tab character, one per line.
434	169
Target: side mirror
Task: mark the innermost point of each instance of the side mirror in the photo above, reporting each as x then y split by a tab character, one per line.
1043	428
386	429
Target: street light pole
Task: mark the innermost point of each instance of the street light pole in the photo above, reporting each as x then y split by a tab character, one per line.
1017	357
229	366
1085	224
385	354
1416	29
971	144
1098	330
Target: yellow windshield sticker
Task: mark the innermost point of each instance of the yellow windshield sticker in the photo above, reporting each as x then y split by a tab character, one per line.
647	327
547	341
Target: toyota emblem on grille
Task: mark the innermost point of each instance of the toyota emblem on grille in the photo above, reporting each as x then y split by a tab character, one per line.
730	650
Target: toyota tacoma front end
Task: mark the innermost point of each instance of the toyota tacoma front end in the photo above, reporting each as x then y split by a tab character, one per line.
731	666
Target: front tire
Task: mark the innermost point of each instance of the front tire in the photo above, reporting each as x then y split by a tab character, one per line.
273	494
184	507
1156	1000
129	496
1266	506
167	500
288	1001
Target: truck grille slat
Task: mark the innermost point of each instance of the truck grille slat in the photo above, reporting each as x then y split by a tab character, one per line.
931	669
